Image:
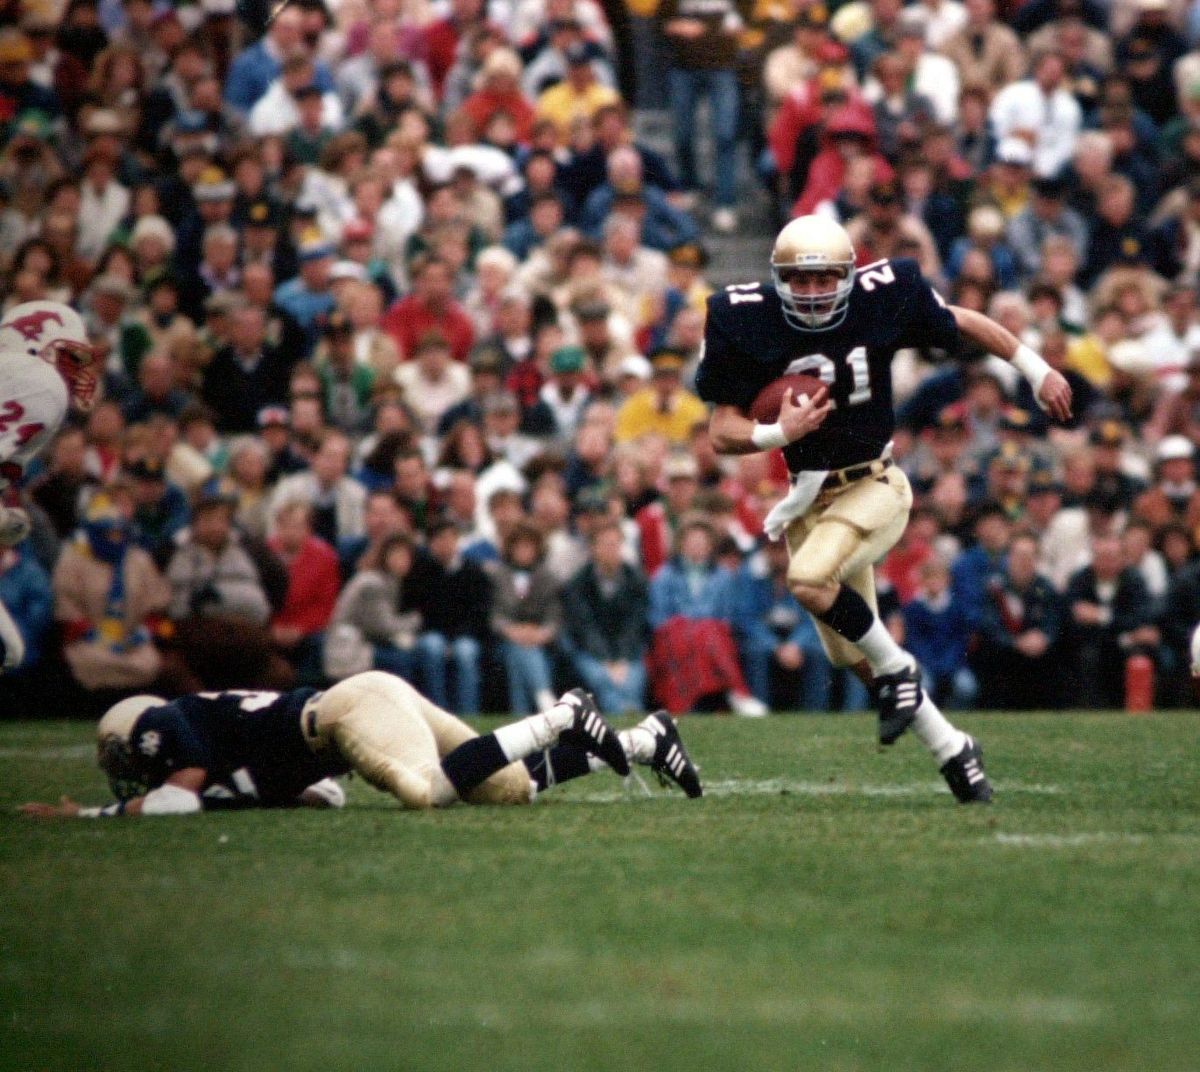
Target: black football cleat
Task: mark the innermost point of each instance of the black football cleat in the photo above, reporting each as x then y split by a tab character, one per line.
671	762
899	697
591	732
965	776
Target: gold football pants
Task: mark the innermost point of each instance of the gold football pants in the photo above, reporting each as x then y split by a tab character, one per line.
395	738
841	537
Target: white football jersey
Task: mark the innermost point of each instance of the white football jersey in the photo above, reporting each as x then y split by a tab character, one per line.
33	404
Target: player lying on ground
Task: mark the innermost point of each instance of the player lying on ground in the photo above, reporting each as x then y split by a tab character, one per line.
46	366
267	749
849	503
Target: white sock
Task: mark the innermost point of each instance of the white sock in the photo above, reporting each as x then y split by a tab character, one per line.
882	651
936	732
560	716
533	734
639	743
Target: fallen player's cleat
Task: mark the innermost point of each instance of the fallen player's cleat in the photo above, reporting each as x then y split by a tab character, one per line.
899	697
965	776
671	762
591	732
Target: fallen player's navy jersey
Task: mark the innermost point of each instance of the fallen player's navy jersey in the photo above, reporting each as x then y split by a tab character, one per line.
748	344
250	743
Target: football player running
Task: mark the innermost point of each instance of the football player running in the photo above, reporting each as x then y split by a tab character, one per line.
269	749
46	365
848	504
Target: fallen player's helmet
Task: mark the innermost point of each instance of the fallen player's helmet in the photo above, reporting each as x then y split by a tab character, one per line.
55	333
114	750
812	244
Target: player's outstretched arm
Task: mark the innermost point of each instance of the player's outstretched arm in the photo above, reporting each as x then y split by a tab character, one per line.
733	432
178	795
1050	388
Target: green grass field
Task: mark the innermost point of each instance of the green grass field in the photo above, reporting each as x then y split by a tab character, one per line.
825	907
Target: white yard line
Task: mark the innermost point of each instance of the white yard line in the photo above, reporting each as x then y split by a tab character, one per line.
740	787
774	1011
1064	841
66	751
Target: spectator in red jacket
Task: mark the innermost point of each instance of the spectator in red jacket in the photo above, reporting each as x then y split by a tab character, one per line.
849	133
313	581
498	89
441	38
431	306
658	521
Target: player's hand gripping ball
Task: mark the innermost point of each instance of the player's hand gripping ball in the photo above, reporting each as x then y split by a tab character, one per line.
765	408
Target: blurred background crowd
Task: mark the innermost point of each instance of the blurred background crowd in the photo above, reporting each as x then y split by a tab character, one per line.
400	306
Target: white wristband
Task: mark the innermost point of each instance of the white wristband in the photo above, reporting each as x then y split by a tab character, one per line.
768	436
102	813
1030	364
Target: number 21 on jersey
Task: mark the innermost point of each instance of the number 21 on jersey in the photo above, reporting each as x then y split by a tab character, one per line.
824	368
870	276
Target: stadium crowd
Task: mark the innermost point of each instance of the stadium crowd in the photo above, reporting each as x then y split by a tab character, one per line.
400	323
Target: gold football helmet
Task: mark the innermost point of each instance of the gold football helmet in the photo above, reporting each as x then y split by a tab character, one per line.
114	748
810	244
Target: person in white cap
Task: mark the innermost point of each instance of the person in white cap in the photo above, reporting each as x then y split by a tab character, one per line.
1174	496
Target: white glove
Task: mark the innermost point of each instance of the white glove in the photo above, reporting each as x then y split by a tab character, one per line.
14	525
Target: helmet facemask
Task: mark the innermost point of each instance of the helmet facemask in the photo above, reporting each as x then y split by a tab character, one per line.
115	758
814	312
76	364
56	334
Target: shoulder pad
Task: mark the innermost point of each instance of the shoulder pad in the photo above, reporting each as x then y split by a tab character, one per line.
738	297
872	277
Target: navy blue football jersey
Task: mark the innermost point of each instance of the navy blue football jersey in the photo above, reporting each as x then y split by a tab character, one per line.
748	344
250	743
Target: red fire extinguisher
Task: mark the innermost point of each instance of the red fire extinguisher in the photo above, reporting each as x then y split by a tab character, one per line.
1139	684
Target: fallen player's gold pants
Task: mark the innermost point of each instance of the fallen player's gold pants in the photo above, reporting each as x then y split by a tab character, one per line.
395	738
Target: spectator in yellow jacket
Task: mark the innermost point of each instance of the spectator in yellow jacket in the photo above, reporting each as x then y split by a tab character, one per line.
665	406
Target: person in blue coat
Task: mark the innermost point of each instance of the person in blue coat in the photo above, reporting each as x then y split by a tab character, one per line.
255	68
26	594
974	569
663	225
937	632
775	635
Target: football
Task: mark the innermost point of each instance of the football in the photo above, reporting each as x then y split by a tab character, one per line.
765	408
